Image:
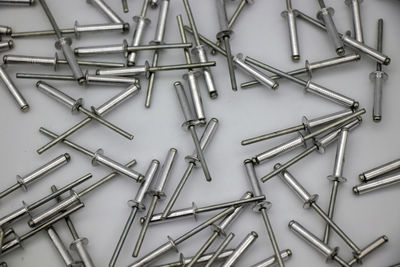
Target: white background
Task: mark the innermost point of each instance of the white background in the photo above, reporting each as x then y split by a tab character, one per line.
261	33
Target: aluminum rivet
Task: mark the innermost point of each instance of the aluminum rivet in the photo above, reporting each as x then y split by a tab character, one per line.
290	15
193	161
262	207
378	78
101	110
61	248
219	250
369	249
379	171
76	105
25	180
240	249
330	253
271	261
306	125
376	184
158	193
9	84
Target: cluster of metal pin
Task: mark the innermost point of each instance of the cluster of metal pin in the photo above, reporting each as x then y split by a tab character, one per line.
315	134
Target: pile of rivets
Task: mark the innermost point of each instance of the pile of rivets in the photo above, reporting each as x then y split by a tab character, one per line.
313	134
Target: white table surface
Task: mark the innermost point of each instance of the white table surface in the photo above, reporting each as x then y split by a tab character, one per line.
261	33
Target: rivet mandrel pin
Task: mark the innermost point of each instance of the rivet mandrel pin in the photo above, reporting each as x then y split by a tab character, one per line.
98	157
195	211
100	110
125	48
310	67
147	70
6	45
309	86
17	241
173	243
271	261
135	204
376	184
158	39
101	5
200	52
262	207
224	35
76	105
328	252
79	243
219	230
377	172
306	125
26	180
91	79
349	41
157	191
12	88
310	201
55	61
26	209
240	249
337	176
191	77
378	78
355	9
190	123
17	2
141	24
325	15
320	145
290	15
203	259
5	30
64	44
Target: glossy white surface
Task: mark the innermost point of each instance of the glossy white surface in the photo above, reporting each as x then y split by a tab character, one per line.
261	33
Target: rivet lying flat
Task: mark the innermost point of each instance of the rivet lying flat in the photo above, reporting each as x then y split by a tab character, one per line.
325	15
290	15
376	184
307	125
158	193
141	24
200	52
158	39
310	67
25	180
195	211
262	207
55	61
101	110
309	86
193	161
378	78
377	172
330	253
219	250
98	157
16	94
135	204
76	105
64	44
369	249
271	261
61	248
